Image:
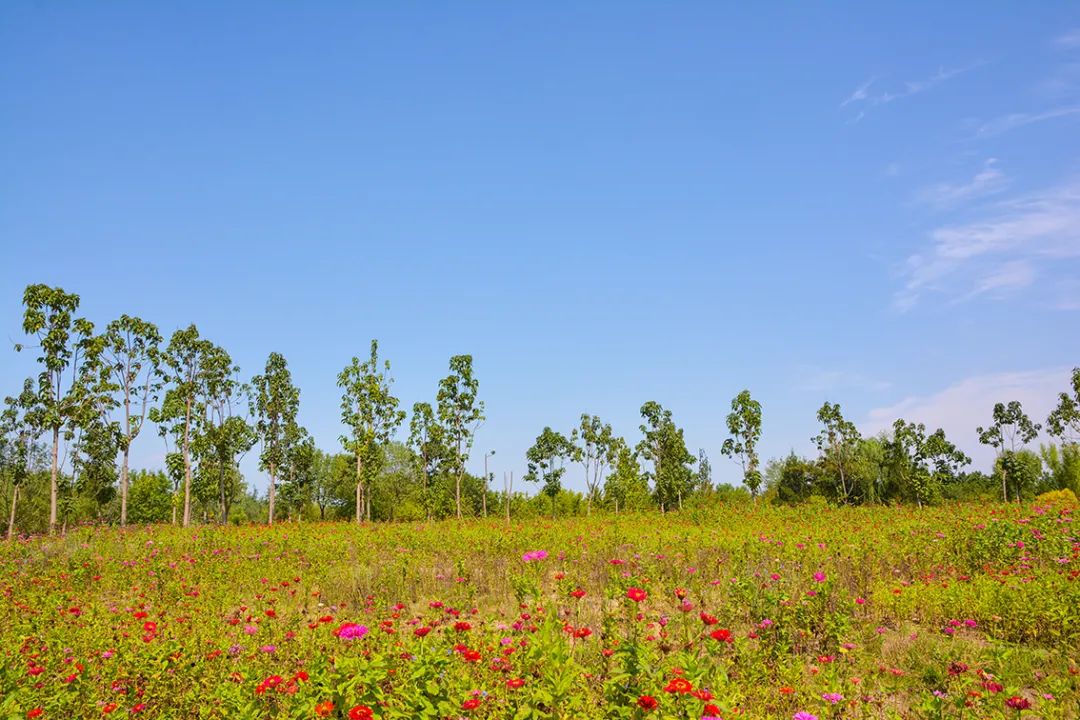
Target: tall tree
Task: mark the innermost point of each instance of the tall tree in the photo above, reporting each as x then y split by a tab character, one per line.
547	459
664	446
921	462
20	427
625	487
1064	420
132	367
744	424
594	445
183	368
1011	424
69	352
428	446
370	411
460	414
838	442
275	403
224	434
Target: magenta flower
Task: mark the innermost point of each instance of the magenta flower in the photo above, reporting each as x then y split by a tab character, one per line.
832	697
803	715
819	577
534	555
351	631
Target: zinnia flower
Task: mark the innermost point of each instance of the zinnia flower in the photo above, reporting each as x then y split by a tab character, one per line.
636	594
647	703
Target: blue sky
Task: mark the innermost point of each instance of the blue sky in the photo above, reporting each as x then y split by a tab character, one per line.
604	203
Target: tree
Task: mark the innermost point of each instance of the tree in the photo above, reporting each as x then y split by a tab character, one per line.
223	435
626	487
837	442
793	478
370	411
665	447
299	468
922	463
593	443
275	402
460	414
183	367
69	352
1010	425
546	462
1020	469
150	496
20	426
131	365
1064	420
1063	465
426	438
703	480
744	424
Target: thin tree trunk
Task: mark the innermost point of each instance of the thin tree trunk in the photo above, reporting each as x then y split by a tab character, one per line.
359	489
11	516
221	492
270	513
124	487
52	484
187	464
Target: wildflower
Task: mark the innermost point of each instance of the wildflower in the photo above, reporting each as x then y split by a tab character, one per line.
361	712
577	593
647	703
819	577
324	709
1018	703
678	685
535	555
108	708
832	697
514	683
472	703
636	594
721	634
35	713
803	715
351	631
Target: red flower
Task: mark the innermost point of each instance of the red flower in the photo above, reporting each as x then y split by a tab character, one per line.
578	593
324	709
35	713
462	626
647	702
679	685
1018	703
721	634
361	712
470	704
514	683
636	594
421	631
708	619
108	708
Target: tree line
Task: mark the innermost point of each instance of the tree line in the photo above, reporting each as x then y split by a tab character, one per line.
67	434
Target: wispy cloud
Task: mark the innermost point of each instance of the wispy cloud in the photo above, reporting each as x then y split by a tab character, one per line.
865	96
1070	39
984	254
987	181
1005	123
968	403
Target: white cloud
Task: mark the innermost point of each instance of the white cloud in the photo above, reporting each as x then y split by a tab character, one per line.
1005	123
1070	39
998	251
965	405
987	181
863	97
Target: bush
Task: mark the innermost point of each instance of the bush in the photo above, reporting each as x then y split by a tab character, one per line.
1058	498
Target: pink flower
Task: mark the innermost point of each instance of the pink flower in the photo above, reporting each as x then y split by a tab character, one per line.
351	631
819	577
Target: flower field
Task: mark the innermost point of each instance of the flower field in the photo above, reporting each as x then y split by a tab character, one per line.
754	612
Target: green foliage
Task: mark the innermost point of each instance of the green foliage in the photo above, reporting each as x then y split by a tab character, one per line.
547	459
1064	420
594	448
837	442
460	413
663	445
275	401
744	425
369	410
150	497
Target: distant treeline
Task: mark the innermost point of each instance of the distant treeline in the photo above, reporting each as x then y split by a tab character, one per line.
66	436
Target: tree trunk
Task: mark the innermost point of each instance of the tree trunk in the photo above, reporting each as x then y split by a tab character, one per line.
52	484
11	516
457	480
359	489
270	512
124	486
221	492
187	464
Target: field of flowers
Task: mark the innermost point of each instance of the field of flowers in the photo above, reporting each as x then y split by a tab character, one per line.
962	611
